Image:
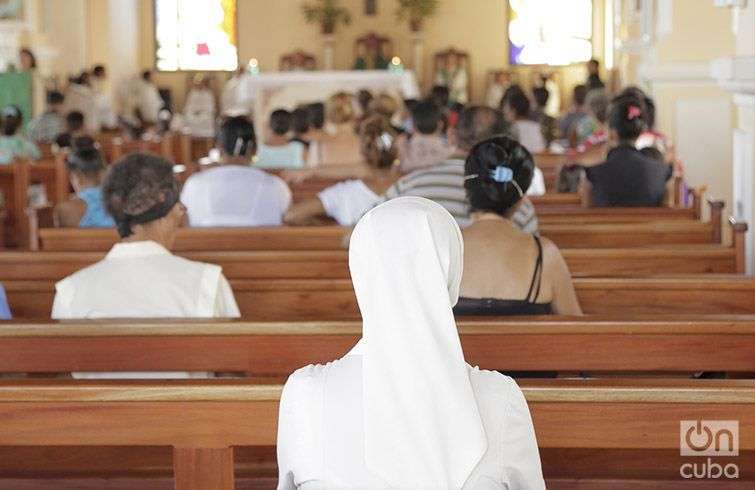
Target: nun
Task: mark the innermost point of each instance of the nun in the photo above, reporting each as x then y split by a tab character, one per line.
402	409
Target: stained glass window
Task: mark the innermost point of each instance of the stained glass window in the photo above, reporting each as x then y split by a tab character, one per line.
550	32
195	35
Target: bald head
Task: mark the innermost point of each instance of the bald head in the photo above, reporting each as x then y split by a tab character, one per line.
478	123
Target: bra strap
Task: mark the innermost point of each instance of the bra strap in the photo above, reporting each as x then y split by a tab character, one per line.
537	274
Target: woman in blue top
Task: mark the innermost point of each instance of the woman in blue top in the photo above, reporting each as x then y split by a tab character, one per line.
13	143
4	308
278	150
86	209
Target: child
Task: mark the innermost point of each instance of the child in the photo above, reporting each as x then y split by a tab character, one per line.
12	142
426	146
87	209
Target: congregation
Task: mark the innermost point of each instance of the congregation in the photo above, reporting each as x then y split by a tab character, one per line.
406	286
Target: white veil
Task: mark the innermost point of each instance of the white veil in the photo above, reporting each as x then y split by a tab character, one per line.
421	421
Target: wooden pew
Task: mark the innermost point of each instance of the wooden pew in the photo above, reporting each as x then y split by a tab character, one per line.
206	421
621	262
15	180
599	235
333	299
641	345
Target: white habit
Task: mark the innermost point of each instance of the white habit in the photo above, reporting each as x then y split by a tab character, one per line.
403	410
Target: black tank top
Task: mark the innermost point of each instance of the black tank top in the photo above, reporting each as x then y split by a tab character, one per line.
510	307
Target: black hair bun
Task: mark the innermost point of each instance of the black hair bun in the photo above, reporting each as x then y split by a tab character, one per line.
483	191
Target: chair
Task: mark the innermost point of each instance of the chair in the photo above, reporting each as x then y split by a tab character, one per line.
298	60
372	52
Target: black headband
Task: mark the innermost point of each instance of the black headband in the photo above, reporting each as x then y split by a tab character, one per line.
159	210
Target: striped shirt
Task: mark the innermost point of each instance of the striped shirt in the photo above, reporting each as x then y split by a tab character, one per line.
444	184
346	202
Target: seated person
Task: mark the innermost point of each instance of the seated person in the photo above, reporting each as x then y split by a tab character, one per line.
300	126
403	409
340	144
13	143
279	151
386	106
233	193
139	277
548	124
516	109
627	177
571	119
346	201
48	125
425	146
4	308
74	129
537	279
442	183
592	131
86	210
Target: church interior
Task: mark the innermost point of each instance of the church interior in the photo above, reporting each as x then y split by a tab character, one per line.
373	244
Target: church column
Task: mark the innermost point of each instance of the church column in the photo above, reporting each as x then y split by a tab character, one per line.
737	75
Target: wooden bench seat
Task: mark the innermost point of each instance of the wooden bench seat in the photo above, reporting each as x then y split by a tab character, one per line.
333	237
333	299
53	266
642	345
205	420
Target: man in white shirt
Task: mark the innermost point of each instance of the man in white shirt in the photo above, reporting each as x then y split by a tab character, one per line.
233	193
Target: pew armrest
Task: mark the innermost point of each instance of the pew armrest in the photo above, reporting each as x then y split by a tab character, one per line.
42	217
697	199
716	219
739	232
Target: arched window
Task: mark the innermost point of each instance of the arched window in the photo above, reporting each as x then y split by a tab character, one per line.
195	35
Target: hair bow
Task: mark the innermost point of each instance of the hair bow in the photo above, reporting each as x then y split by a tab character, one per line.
633	112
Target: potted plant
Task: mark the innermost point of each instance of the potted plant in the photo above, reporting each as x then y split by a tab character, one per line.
416	11
327	13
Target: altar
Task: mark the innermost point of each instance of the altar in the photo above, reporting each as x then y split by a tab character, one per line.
287	90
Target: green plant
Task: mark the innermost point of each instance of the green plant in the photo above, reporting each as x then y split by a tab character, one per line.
416	11
327	13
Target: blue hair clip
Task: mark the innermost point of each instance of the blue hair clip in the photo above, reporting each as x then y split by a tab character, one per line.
502	174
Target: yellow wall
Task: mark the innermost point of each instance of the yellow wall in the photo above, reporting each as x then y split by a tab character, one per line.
269	28
701	31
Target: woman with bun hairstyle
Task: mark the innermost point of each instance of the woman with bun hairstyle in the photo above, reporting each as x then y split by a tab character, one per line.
627	177
87	209
507	271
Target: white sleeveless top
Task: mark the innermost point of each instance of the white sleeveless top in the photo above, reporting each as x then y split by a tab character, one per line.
144	280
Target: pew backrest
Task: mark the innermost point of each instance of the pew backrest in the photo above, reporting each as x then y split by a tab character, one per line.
276	349
334	299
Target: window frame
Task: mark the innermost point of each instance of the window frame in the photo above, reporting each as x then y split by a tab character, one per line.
155	46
